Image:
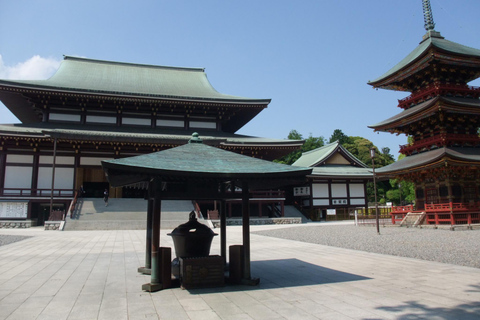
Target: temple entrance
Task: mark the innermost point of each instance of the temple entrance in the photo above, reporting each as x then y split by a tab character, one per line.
94	182
94	189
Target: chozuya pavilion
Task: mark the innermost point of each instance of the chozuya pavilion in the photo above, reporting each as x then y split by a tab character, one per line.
442	117
93	110
198	171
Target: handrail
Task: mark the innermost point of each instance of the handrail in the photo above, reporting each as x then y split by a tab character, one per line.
440	140
436	90
73	204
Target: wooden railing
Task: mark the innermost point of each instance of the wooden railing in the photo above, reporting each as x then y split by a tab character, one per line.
73	205
440	141
443	213
436	90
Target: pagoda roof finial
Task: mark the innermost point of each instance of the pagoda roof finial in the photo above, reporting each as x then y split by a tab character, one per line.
428	16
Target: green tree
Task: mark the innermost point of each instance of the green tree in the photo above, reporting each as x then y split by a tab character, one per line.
310	144
339	136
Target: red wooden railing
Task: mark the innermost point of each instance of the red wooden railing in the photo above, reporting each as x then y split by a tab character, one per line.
436	90
443	213
440	141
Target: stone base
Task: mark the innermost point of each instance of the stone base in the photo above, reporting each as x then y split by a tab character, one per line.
144	270
258	221
152	287
17	224
251	282
52	225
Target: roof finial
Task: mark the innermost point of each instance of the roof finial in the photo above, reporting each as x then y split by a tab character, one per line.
428	16
195	138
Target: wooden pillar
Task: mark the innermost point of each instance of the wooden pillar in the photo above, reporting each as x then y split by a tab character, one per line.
155	280
246	230
247	278
223	224
148	243
3	161
223	231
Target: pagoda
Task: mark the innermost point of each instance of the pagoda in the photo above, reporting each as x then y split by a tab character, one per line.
442	117
93	110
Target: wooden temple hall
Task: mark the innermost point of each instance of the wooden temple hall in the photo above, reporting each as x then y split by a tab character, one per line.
93	110
442	117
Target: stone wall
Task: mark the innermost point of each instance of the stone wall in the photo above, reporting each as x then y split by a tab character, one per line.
258	221
52	225
17	224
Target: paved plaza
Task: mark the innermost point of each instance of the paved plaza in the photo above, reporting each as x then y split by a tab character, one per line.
93	275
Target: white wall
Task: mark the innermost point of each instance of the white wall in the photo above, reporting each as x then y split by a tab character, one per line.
18	177
339	190
63	178
357	190
320	190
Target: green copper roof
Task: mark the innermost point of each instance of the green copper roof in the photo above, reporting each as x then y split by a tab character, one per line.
114	133
431	39
315	157
107	77
431	157
408	113
342	171
197	161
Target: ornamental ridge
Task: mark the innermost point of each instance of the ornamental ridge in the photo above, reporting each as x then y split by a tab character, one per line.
428	16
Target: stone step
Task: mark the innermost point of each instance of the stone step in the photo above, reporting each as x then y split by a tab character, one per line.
125	214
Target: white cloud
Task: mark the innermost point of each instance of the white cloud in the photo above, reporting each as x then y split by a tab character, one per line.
35	68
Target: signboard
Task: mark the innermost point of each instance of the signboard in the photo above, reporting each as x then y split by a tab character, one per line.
331	212
13	210
339	201
301	191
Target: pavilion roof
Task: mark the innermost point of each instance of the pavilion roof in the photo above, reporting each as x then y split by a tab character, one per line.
133	80
342	171
317	157
431	40
432	158
200	161
457	104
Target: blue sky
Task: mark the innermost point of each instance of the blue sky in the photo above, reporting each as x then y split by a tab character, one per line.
312	58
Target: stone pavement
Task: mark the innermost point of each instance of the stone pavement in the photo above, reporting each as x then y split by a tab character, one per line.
93	275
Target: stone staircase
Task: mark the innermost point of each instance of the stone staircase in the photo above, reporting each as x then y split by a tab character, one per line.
413	219
125	214
292	212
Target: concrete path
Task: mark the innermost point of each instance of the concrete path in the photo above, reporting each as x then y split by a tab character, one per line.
93	275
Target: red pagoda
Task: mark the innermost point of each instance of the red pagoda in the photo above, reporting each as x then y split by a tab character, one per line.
442	117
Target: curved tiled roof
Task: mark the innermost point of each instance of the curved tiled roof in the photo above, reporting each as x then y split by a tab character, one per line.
405	114
432	39
313	157
127	79
431	157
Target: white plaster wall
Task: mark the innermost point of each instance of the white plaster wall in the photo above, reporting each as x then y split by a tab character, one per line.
136	121
339	190
357	190
18	177
63	178
170	123
64	117
19	158
320	190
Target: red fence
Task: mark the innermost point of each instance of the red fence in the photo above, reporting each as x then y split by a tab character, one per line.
453	213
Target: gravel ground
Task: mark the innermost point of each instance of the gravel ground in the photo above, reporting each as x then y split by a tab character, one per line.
454	247
7	239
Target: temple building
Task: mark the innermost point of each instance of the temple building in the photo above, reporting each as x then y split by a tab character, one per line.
94	110
442	117
337	184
